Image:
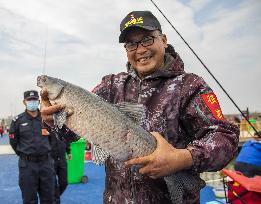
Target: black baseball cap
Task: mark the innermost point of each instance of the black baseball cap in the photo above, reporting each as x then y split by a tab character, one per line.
31	94
141	19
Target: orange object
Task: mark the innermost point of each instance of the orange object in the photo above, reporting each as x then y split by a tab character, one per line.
45	132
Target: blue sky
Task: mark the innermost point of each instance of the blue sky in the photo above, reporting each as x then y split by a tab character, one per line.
81	39
207	13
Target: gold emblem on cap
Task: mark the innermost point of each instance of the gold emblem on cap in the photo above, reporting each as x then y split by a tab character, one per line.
134	21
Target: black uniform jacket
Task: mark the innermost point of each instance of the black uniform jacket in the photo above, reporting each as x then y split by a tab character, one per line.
28	136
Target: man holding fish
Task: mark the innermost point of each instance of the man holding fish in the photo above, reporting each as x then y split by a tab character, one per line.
179	109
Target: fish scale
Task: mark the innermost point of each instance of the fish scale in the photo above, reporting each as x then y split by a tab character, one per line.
103	124
114	132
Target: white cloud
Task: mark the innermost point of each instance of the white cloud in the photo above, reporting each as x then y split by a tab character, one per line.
198	5
82	44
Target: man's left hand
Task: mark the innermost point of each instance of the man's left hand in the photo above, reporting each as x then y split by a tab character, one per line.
165	160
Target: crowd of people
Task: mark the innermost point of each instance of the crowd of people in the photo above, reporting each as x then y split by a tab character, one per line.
2	131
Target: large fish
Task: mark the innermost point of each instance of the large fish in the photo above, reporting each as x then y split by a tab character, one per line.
112	128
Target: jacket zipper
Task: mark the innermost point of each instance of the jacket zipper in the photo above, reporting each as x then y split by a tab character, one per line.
139	91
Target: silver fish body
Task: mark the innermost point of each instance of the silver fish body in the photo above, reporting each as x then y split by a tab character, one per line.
100	122
106	126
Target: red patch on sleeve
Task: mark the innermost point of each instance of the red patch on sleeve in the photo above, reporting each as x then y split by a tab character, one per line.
211	101
45	132
11	136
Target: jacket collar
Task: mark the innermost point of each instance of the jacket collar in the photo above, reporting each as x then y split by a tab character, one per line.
29	117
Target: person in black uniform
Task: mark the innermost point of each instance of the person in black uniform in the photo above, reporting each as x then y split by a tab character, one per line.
59	148
30	141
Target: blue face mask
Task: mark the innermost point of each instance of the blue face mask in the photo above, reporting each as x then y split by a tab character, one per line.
32	105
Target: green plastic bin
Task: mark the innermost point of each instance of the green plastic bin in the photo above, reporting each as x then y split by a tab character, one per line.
253	122
75	173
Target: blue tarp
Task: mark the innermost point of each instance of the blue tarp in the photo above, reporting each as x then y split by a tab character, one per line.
89	193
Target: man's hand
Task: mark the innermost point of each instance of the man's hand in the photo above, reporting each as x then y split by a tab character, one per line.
47	110
165	160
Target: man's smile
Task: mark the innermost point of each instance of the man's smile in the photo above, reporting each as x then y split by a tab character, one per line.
143	59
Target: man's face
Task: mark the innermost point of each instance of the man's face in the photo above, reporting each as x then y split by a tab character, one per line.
25	101
145	60
31	104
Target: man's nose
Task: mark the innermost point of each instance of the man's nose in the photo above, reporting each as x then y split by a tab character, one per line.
141	48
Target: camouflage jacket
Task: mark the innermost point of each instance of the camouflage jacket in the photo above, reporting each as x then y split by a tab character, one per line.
184	109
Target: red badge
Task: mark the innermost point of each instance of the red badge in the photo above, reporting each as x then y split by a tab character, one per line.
211	101
45	132
11	136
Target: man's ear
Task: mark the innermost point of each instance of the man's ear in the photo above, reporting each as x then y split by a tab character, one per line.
165	40
24	102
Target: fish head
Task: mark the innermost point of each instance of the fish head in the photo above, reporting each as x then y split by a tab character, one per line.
52	85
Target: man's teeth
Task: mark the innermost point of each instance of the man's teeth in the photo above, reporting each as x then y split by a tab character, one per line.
143	59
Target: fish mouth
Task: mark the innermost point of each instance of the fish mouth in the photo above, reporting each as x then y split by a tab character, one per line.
40	79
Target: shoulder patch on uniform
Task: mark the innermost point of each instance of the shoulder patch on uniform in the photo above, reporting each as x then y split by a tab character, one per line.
45	132
11	135
15	118
212	103
18	116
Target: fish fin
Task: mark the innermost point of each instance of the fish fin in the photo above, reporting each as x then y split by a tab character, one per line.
180	183
135	111
99	156
56	90
59	119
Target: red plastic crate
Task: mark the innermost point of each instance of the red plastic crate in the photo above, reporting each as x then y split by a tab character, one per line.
87	155
241	189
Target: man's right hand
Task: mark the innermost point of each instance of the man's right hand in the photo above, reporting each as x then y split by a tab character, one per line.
47	110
